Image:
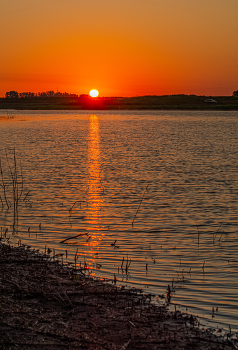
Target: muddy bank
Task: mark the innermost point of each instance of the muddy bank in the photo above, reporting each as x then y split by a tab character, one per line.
44	305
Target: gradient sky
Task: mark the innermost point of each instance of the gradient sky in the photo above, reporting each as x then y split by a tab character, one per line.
120	47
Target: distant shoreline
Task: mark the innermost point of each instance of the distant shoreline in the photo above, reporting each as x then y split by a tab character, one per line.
168	102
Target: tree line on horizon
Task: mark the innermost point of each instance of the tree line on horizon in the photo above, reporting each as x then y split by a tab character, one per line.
51	93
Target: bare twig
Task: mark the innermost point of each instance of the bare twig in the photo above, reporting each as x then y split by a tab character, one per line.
81	234
139	205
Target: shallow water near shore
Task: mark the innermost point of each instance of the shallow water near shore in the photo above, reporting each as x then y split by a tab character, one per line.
152	197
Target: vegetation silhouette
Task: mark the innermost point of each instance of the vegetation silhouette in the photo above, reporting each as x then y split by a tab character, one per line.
50	100
235	93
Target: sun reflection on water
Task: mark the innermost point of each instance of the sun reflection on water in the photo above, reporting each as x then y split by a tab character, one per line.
95	188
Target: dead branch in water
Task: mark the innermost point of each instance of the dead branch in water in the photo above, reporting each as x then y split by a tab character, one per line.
81	234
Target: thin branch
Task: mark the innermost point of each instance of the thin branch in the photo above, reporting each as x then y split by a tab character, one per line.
139	205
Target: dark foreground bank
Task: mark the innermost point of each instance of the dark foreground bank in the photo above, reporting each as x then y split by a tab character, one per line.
84	102
44	305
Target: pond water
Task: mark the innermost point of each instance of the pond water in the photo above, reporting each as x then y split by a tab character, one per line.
150	195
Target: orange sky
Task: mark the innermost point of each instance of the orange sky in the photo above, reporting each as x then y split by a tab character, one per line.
121	48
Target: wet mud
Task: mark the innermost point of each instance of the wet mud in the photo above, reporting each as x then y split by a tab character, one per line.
47	305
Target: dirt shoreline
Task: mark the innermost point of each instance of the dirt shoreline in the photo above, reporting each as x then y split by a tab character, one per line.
44	305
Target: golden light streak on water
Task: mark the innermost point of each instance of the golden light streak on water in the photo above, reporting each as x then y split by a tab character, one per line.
95	189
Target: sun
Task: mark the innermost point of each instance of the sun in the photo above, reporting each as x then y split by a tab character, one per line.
94	93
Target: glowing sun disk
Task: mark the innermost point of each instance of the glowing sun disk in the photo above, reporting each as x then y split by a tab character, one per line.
94	93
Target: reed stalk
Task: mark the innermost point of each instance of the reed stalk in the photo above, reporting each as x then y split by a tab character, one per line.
4	188
139	206
198	234
215	234
16	184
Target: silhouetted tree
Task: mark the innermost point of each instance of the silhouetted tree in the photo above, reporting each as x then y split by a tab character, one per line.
26	94
235	93
46	94
50	93
11	94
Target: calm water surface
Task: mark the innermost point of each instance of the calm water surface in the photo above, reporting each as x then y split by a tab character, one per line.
154	190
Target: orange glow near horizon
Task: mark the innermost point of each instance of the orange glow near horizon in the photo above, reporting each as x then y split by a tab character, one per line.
182	47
